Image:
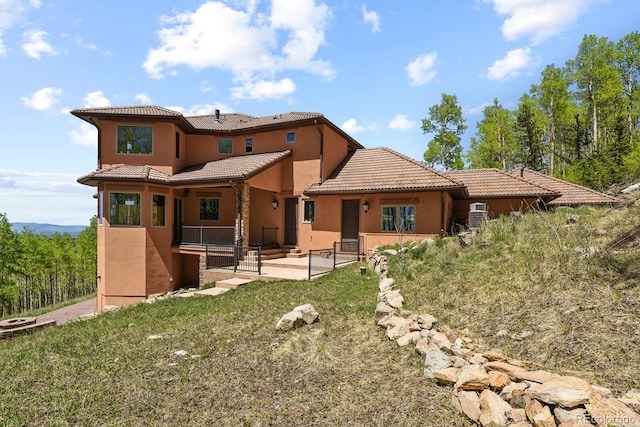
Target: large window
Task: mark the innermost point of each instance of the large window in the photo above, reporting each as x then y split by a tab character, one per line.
399	219
158	210
209	209
225	146
135	140
309	211
124	208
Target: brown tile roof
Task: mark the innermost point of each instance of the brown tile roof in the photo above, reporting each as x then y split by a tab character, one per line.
233	122
230	168
236	167
134	110
571	194
382	170
494	183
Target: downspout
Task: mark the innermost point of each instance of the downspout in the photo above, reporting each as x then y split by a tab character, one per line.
442	233
321	151
99	142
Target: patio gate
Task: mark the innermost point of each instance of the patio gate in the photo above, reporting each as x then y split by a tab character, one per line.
235	257
324	260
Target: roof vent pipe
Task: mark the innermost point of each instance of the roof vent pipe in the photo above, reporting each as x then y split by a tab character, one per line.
217	116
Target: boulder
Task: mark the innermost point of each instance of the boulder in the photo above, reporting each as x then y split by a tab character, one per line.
544	418
566	391
609	411
493	409
446	376
435	359
498	380
386	284
564	415
407	339
426	321
383	309
472	377
468	403
503	367
289	321
398	331
394	299
494	355
308	313
535	376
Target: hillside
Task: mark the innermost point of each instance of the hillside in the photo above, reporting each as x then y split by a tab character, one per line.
545	289
48	229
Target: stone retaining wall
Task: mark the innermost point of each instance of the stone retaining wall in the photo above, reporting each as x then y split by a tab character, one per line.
490	388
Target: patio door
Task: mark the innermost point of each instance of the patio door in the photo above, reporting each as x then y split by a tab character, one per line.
178	220
291	221
350	225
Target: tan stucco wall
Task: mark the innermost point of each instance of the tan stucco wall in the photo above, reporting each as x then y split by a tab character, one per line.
495	207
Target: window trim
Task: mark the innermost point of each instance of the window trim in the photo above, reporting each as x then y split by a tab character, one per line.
248	143
140	208
225	140
305	218
397	220
200	199
118	152
164	214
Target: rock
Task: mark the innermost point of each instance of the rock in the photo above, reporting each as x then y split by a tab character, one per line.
407	339
544	418
513	389
426	321
520	424
389	320
386	284
517	415
493	409
602	391
391	252
440	339
451	336
394	299
422	345
566	391
563	415
532	407
477	359
435	360
472	377
494	355
180	353
446	376
536	376
458	362
383	309
498	380
468	403
503	367
607	411
289	321
398	331
308	313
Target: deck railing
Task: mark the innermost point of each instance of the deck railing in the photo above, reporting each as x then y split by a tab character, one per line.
324	260
202	235
235	257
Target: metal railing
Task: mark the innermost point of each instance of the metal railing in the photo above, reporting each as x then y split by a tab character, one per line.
325	260
202	235
235	257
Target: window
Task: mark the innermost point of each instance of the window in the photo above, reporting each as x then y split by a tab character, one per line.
309	211
177	145
248	147
100	207
124	209
158	210
399	219
291	137
209	209
225	146
135	140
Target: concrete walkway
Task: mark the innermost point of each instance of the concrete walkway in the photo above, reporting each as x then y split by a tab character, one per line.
70	313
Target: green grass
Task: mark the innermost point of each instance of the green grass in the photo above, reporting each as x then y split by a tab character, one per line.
35	313
580	314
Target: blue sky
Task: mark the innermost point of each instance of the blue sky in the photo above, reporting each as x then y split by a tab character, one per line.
373	68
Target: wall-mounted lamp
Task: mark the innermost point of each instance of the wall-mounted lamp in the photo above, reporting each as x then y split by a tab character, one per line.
365	206
274	204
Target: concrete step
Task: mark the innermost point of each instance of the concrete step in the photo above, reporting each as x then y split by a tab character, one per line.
232	283
295	263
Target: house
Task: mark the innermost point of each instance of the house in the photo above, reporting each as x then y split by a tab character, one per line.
175	191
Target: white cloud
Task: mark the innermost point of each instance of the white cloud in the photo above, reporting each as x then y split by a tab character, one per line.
43	99
244	42
420	71
3	48
351	126
261	90
34	44
538	19
10	12
201	109
96	99
143	98
372	18
85	135
205	87
510	65
401	122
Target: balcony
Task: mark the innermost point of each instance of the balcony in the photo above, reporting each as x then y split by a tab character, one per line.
203	235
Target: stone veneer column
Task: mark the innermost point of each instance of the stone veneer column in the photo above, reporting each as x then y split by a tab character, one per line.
202	268
246	190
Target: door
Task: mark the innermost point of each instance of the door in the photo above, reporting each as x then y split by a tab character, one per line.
178	221
350	225
291	221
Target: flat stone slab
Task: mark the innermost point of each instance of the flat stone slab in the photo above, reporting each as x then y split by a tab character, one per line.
210	292
232	283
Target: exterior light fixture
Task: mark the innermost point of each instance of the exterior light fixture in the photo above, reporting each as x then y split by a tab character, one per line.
365	206
274	204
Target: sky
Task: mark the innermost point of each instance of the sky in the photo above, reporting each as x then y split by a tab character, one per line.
372	68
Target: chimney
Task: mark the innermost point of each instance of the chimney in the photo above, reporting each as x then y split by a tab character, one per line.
522	172
217	116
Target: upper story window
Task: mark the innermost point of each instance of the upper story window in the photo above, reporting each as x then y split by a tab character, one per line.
158	210
124	208
399	219
177	145
248	147
225	146
291	137
135	139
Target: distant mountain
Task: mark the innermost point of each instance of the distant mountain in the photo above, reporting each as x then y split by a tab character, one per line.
48	229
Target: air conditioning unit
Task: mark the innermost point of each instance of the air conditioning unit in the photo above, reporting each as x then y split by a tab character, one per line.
477	219
478	207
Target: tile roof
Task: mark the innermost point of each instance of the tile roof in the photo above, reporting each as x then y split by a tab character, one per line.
571	194
232	121
382	170
237	167
134	110
494	183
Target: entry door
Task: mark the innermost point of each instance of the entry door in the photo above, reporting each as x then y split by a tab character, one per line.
178	221
350	225
291	221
